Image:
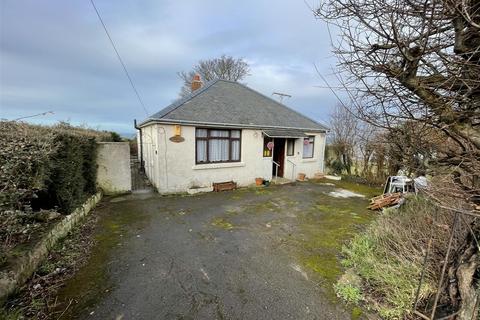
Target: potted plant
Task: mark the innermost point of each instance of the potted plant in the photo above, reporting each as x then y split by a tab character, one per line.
258	181
301	176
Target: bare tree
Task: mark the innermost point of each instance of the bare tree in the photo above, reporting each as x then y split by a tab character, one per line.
344	127
419	61
367	144
224	67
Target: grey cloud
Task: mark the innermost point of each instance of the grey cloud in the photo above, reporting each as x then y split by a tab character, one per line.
55	55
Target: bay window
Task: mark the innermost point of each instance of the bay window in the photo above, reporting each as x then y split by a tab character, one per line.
217	145
308	144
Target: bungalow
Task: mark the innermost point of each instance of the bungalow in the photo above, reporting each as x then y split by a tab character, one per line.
225	131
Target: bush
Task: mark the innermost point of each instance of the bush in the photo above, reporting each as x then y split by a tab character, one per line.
41	167
47	167
72	173
389	257
337	167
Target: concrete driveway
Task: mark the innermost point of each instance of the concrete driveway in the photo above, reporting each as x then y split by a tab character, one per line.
269	253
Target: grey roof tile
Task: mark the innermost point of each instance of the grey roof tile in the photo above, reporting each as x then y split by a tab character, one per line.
232	103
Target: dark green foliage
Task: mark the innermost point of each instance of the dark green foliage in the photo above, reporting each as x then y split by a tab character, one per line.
73	173
65	184
89	150
115	137
47	167
337	167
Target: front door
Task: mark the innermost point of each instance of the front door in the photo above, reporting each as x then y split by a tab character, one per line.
278	156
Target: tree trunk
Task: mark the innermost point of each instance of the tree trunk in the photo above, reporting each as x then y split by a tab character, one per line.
462	287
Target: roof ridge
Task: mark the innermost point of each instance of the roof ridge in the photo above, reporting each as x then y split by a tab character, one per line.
268	102
279	103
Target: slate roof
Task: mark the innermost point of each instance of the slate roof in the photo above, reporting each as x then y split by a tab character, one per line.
223	102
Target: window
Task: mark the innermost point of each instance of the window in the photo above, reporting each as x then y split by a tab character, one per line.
215	145
308	144
290	147
267	142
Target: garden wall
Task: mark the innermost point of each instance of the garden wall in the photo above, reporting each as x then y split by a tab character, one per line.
114	172
24	266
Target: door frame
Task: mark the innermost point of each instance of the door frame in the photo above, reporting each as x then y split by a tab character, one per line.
278	156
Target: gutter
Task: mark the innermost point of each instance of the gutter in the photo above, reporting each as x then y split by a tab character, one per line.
142	167
227	125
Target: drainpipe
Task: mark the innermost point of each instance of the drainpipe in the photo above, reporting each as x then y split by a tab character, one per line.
142	167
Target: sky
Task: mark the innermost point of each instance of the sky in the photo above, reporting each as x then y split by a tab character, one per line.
55	56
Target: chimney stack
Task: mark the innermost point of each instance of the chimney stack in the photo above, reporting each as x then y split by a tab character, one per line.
196	82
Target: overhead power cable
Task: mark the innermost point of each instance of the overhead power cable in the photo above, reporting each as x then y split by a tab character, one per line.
34	115
119	58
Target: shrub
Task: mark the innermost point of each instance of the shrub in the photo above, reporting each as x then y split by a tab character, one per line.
389	256
43	168
115	137
337	167
47	167
348	292
72	173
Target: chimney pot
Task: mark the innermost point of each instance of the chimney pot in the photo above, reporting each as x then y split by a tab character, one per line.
196	82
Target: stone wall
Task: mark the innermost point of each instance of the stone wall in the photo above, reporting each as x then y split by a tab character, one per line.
114	173
23	268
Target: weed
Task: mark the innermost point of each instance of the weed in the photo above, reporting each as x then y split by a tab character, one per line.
222	223
389	256
10	314
348	292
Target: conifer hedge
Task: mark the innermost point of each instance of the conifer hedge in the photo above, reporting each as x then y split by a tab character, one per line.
47	167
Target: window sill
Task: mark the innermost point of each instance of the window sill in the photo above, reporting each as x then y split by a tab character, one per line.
218	165
309	160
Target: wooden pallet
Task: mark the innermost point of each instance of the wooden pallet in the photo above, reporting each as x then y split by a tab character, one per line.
385	200
224	186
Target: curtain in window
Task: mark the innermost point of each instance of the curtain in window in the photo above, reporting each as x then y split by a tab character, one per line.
308	147
219	133
290	147
201	133
217	145
201	150
235	133
235	150
218	149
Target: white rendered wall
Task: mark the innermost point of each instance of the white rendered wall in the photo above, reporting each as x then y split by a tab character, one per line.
171	166
309	166
113	174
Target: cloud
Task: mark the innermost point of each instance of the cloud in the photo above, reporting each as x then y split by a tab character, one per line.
54	55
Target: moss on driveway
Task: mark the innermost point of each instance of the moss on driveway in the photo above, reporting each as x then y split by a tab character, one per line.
252	253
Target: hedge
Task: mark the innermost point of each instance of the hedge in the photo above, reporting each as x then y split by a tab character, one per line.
47	167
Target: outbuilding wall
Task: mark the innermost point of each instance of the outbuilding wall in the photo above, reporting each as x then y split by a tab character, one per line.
171	166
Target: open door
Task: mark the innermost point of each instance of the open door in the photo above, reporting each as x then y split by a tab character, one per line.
278	156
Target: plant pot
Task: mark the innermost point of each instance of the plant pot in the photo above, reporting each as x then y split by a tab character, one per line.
258	181
301	176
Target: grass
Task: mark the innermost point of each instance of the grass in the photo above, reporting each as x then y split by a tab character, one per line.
348	292
222	223
367	191
10	314
322	230
388	258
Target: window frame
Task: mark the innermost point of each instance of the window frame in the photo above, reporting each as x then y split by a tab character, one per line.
208	138
265	149
292	141
313	147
